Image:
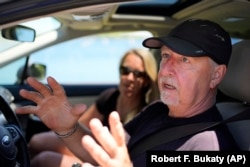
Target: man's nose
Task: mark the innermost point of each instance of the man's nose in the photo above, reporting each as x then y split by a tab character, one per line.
168	66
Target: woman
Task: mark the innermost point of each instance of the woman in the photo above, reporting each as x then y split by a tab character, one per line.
137	88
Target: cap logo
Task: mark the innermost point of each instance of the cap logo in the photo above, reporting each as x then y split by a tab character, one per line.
199	51
221	38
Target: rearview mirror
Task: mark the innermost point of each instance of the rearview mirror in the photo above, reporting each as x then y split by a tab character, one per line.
19	33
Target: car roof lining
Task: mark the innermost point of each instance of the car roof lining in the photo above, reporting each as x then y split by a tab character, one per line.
103	16
222	11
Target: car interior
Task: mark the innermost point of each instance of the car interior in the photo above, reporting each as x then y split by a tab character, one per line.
85	18
236	85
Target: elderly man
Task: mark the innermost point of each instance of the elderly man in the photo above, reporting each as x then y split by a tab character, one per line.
194	56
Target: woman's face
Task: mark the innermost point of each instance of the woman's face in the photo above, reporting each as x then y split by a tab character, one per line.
132	76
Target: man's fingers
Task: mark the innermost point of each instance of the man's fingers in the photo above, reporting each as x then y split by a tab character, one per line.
87	165
95	150
31	95
116	128
26	110
107	153
103	136
56	87
41	88
79	109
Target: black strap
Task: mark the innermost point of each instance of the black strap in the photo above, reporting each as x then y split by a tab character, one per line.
163	136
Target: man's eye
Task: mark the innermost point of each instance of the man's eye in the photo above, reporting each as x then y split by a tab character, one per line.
165	56
185	59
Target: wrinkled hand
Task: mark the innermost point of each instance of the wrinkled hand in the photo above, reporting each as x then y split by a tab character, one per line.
112	151
53	107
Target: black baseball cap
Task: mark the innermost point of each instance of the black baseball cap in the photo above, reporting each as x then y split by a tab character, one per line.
196	38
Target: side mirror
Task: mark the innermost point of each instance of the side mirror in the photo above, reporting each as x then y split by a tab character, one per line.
35	70
19	33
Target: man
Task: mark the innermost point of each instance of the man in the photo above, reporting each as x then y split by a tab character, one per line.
194	55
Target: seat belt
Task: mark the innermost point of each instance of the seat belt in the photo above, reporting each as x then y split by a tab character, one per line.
163	136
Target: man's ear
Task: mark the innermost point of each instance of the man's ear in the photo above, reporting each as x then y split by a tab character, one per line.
218	75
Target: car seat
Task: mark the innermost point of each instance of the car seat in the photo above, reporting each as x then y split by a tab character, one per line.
236	85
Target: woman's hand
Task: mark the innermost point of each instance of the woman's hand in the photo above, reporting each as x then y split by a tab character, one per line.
112	149
53	107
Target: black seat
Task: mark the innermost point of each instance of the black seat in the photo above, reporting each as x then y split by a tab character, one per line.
236	84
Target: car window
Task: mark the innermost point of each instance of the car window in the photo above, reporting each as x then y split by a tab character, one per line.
91	59
9	73
235	40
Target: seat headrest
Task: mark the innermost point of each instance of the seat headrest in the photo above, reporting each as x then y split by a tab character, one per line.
236	83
